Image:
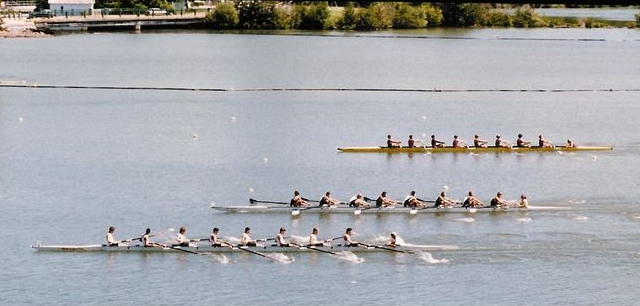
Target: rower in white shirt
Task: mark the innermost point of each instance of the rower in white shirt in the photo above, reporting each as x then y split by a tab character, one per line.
313	238
281	241
111	241
246	238
346	237
181	239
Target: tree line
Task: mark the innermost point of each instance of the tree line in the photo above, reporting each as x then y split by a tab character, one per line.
256	14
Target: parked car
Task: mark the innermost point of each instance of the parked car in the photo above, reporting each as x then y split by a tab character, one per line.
156	12
40	14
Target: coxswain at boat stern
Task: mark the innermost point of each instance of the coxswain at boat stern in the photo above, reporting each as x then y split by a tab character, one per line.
478	142
111	241
392	240
436	143
571	144
346	237
297	200
313	238
181	239
215	242
246	238
392	143
521	143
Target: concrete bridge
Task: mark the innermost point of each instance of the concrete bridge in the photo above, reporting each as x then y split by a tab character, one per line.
99	22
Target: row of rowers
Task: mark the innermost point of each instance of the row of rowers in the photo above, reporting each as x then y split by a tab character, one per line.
245	240
477	142
409	201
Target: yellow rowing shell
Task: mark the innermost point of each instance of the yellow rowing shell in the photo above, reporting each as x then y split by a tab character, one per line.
469	150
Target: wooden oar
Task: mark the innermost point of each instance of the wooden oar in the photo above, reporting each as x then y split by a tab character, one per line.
386	248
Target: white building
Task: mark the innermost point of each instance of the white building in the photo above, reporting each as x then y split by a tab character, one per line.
71	7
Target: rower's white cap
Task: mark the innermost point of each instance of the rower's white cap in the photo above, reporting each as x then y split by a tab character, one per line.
394	233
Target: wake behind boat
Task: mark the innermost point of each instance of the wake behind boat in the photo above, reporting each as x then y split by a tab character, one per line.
450	149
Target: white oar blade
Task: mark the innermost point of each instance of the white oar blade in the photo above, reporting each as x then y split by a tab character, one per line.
413	211
473	210
357	212
295	212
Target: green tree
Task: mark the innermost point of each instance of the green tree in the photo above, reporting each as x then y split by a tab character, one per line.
225	16
377	16
350	17
498	18
282	18
525	17
255	14
408	16
433	14
314	16
465	14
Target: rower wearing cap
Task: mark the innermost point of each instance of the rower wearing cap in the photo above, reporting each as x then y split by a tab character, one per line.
523	202
346	237
443	201
459	143
436	143
501	143
111	241
392	240
327	200
146	242
521	143
181	239
383	201
472	201
571	144
359	202
478	142
392	143
280	238
543	143
215	242
498	201
297	200
412	142
412	201
313	238
246	238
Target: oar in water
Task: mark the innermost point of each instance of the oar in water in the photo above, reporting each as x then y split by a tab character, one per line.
386	248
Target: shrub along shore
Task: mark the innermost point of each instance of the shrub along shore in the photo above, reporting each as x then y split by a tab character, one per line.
253	14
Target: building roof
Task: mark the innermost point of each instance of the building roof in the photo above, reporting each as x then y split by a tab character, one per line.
72	2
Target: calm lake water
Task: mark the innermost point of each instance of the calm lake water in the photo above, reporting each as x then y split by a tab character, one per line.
75	161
